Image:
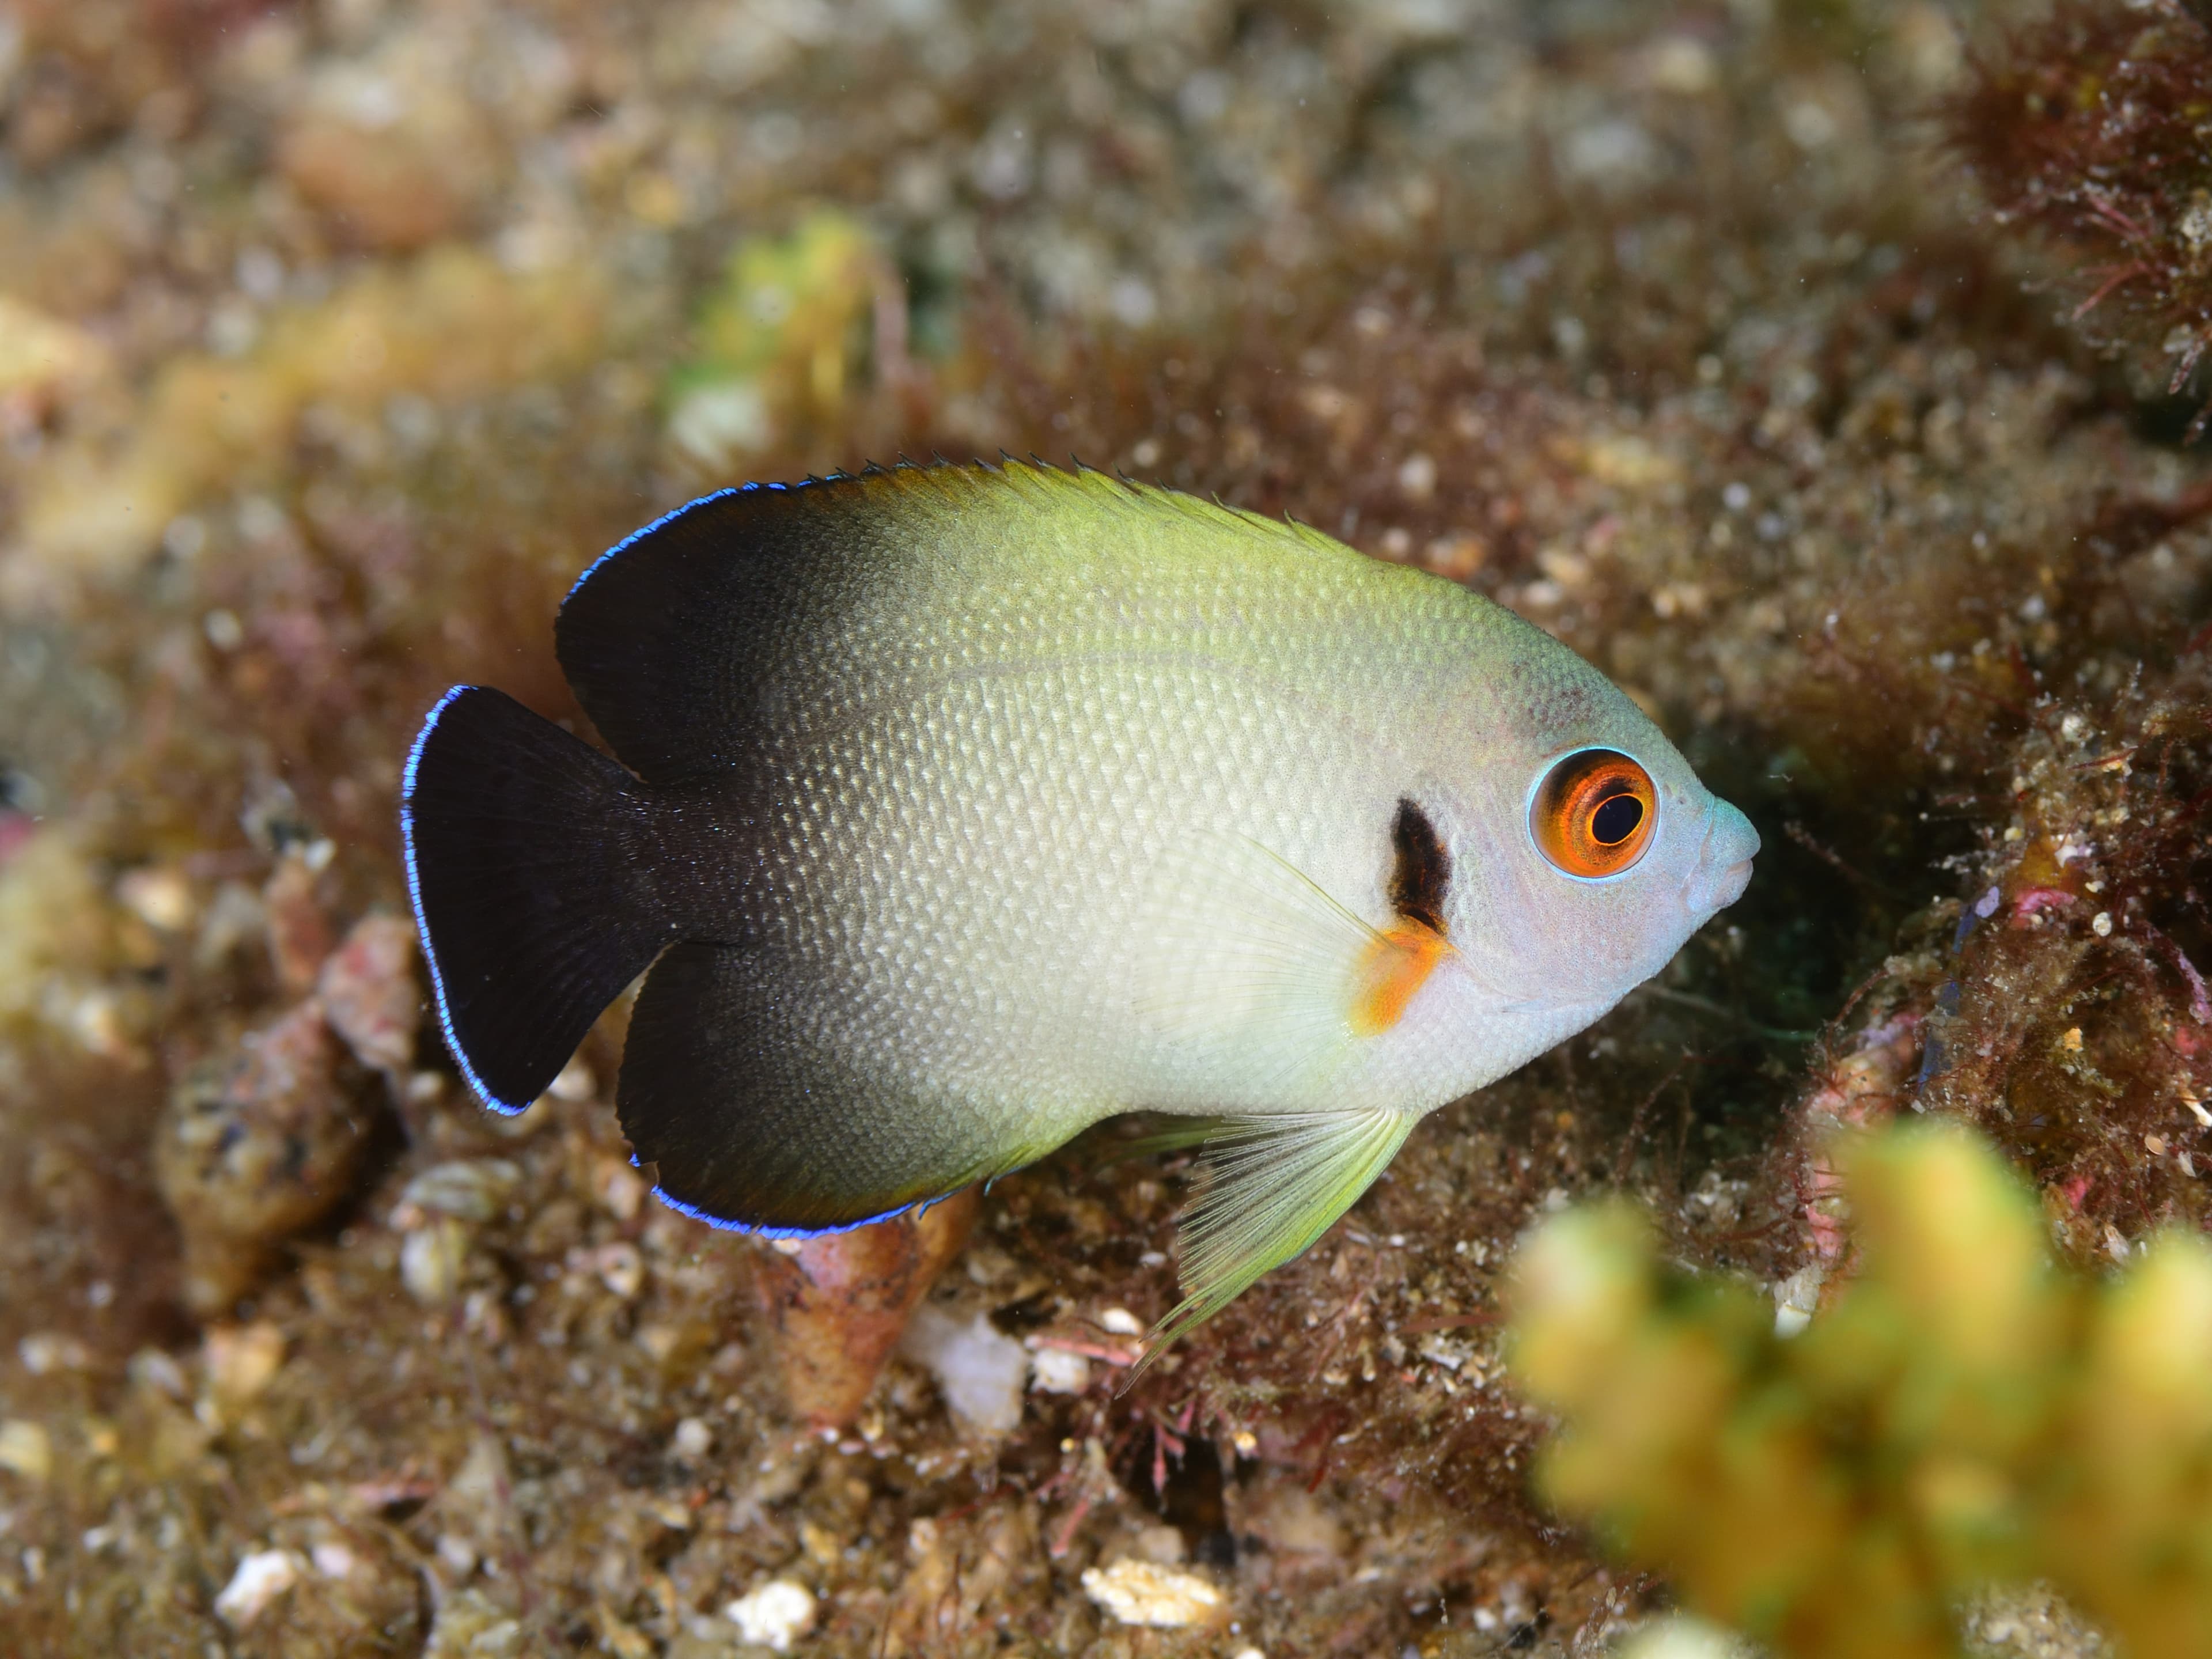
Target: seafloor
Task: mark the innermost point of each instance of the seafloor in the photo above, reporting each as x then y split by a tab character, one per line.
335	338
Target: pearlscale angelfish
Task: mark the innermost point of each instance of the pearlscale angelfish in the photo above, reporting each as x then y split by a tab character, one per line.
956	809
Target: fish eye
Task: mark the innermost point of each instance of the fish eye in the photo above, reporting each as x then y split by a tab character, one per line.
1592	814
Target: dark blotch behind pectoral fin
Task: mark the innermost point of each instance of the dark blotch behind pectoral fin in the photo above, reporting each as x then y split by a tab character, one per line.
755	1123
1420	875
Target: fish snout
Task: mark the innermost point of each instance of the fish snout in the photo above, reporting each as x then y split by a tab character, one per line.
1723	869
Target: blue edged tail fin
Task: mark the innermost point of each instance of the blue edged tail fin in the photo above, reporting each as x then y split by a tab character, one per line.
530	874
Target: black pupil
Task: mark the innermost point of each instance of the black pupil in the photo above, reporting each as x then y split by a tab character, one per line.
1615	820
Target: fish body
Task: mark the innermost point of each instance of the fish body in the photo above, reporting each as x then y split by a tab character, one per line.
961	808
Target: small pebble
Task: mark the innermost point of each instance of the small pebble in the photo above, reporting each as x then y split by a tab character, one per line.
150	1368
980	1372
773	1616
160	896
367	990
1148	1593
43	1351
468	1189
471	1622
1163	1546
25	1450
621	1190
1055	1371
431	1259
693	1439
575	1083
1681	1638
261	1577
1120	1322
621	1269
241	1360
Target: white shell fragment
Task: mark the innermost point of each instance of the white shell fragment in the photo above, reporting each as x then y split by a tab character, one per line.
980	1372
261	1577
1794	1300
1147	1593
431	1260
468	1189
1055	1371
1683	1638
775	1615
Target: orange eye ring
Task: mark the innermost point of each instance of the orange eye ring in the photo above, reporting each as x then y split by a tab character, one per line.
1592	814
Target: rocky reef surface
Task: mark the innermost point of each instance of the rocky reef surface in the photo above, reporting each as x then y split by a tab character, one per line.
1824	372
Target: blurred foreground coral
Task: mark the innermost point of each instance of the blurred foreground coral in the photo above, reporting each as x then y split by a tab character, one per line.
1963	1415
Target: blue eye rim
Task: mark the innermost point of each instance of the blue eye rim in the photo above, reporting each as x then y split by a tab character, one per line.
1646	832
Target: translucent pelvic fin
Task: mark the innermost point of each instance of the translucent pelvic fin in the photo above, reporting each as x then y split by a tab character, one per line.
1270	1187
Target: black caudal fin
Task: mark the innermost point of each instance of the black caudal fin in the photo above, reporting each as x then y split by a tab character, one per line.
535	909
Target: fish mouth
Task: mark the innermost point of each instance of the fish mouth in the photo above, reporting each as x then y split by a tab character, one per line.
1715	889
1723	868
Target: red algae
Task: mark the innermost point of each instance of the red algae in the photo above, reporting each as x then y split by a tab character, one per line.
2081	129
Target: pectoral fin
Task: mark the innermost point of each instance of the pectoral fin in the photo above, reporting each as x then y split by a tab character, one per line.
1270	1188
1260	980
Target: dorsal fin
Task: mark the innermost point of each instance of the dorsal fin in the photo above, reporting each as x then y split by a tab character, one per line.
642	630
679	640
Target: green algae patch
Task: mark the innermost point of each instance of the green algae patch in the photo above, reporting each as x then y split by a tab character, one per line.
781	341
1965	1413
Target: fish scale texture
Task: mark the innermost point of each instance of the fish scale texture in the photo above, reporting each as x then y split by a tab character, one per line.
1070	798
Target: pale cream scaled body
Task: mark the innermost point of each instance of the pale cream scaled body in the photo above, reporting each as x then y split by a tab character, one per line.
1085	798
953	809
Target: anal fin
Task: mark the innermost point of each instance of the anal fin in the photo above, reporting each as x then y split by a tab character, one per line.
1271	1187
755	1122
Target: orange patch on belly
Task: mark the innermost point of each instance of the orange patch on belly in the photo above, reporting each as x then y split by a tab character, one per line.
1392	967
